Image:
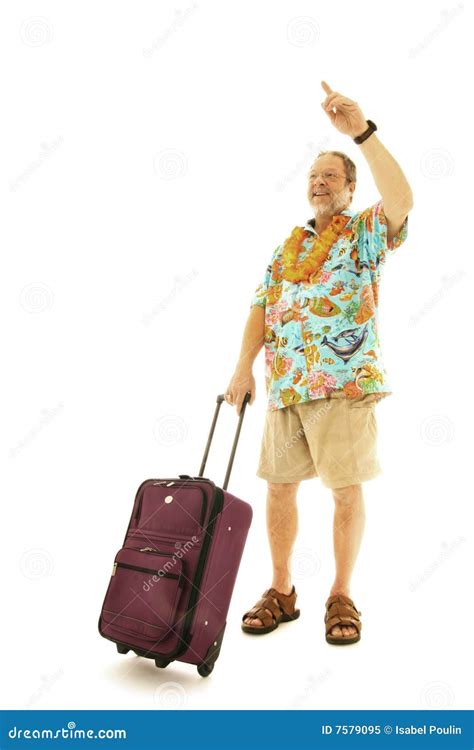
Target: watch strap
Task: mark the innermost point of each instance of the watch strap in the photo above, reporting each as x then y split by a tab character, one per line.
363	136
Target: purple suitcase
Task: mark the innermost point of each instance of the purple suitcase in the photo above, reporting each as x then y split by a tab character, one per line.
172	581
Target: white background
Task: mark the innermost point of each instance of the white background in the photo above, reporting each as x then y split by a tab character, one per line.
153	156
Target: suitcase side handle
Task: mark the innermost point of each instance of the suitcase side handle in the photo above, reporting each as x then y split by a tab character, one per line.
220	399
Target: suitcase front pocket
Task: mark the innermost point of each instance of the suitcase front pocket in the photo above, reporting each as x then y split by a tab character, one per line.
143	595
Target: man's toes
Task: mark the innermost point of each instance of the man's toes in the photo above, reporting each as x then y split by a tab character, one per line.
344	631
253	622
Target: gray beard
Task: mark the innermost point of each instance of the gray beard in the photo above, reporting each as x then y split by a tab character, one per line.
337	203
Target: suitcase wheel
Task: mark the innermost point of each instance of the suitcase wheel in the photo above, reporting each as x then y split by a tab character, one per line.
161	663
122	649
205	669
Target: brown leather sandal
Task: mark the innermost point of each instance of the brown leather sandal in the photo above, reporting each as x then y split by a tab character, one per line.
341	610
281	606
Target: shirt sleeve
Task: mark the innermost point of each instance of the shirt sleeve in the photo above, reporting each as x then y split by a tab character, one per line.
260	293
374	227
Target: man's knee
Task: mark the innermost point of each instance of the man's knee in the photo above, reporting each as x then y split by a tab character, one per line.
282	491
347	495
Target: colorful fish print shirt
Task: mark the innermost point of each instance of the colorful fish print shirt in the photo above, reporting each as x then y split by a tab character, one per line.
321	335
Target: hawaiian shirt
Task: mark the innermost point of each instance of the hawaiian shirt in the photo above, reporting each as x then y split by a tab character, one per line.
322	337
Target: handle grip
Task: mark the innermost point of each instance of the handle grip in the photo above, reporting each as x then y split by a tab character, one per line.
220	399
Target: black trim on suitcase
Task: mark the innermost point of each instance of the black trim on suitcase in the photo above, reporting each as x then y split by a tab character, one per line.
218	506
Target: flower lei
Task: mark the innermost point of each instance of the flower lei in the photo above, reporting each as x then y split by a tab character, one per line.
305	269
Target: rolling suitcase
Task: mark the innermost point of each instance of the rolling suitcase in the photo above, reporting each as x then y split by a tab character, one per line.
172	580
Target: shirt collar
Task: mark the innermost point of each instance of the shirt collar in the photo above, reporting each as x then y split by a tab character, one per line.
310	223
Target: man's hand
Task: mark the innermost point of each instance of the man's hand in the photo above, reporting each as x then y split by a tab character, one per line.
348	117
241	382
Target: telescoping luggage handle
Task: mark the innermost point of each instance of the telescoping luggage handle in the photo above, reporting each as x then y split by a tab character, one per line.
219	400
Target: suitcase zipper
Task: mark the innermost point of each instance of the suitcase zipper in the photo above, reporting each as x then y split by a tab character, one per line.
160	538
154	550
144	570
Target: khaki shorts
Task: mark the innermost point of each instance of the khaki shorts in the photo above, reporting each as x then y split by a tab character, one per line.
333	438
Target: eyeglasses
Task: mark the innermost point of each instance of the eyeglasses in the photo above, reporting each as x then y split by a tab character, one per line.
328	176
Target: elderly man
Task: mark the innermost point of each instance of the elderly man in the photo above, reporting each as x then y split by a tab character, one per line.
316	313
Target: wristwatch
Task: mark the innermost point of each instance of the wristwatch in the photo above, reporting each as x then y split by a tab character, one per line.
363	136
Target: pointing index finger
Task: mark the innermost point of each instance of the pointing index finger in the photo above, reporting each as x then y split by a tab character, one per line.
326	87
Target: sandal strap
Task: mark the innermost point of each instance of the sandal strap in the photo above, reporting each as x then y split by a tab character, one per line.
266	602
341	610
343	602
284	604
338	620
261	614
286	601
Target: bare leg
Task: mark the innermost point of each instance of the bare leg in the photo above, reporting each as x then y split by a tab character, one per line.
349	522
282	527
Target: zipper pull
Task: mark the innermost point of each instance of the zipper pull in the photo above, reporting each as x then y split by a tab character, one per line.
148	549
114	568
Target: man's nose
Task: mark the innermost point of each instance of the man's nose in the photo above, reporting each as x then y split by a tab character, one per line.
320	183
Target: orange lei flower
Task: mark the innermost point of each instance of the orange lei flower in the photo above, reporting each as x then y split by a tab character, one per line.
302	271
